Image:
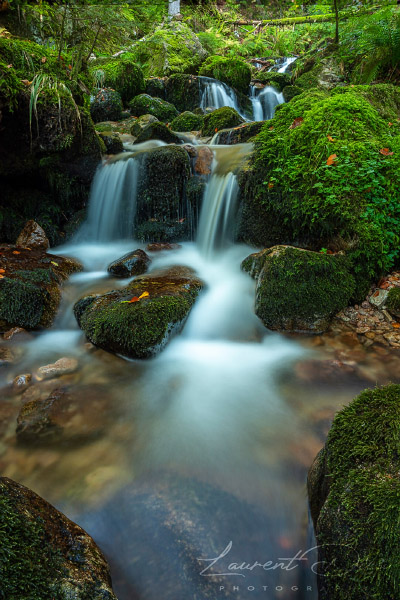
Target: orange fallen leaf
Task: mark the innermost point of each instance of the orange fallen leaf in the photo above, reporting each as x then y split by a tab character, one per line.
1	276
16	252
270	185
331	160
396	325
216	129
330	138
390	124
271	128
2	270
134	299
296	123
385	152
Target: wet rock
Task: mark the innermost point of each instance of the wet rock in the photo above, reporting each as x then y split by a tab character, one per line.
139	320
157	131
240	134
158	247
106	106
33	236
77	415
44	554
15	331
203	161
7	357
298	290
60	367
112	142
145	105
141	123
132	263
378	298
22	382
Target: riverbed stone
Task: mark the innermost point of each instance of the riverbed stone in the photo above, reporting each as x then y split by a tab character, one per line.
132	263
33	236
45	555
112	142
157	131
21	382
139	320
62	366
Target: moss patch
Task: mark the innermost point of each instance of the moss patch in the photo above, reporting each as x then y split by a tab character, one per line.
235	72
145	105
122	74
187	121
157	131
278	80
106	106
393	300
222	118
183	91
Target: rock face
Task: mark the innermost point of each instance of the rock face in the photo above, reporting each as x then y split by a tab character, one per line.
139	320
353	491
45	555
33	236
141	123
298	290
144	105
30	286
133	263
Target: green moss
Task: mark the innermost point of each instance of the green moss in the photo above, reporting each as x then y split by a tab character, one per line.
10	86
22	303
122	74
358	527
393	300
290	91
155	87
183	91
165	231
144	105
157	131
235	72
299	290
187	121
222	118
106	106
278	80
29	564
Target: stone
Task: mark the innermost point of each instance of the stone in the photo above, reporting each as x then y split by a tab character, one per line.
7	357
44	554
15	331
132	263
61	367
203	161
21	382
113	142
379	298
157	131
33	236
141	123
159	247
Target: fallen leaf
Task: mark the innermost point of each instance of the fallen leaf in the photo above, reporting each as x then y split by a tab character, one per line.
44	59
54	263
9	66
330	138
144	295
216	129
296	123
1	276
270	185
396	325
390	124
26	82
271	128
331	160
385	152
2	270
16	252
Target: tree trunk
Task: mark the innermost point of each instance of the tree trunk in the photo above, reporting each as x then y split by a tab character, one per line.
335	4
174	8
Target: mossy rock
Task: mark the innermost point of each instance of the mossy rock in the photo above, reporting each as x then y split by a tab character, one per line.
165	231
290	91
187	121
112	142
240	134
140	329
155	87
292	195
298	290
141	122
278	80
45	555
10	86
183	91
30	291
172	48
393	301
106	106
144	105
325	74
122	74
235	72
354	497
157	131
222	118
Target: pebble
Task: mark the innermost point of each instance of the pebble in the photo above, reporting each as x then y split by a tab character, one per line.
8	335
22	382
60	367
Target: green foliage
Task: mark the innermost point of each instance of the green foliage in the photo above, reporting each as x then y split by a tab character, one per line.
123	75
393	300
222	118
10	85
232	71
145	105
359	524
187	121
350	204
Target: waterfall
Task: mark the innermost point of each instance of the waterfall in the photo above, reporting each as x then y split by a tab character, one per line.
216	94
264	102
284	64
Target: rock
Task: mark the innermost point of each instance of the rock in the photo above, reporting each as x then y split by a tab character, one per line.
61	367
203	161
298	290
76	414
277	80
144	105
142	328
6	357
45	555
11	333
30	288
112	142
222	118
22	382
290	91
155	87
378	298
133	263
352	488
183	91
122	74
187	121
106	106
142	122
158	247
32	236
157	131
393	302
240	134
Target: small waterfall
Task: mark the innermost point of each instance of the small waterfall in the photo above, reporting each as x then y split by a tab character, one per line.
264	102
283	66
216	94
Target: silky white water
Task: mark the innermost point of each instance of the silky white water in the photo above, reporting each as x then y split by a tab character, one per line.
216	94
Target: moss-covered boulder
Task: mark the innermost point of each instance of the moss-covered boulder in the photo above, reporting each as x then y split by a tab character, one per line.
290	91
45	555
235	72
157	131
172	48
240	134
278	80
30	282
140	328
222	118
155	87
106	106
323	176
183	91
112	142
353	489
393	302
145	105
187	121
122	74
325	74
141	122
298	290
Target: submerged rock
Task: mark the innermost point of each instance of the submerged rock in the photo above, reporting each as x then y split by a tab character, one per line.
45	555
299	290
132	263
33	236
22	382
159	247
353	488
140	319
30	283
62	366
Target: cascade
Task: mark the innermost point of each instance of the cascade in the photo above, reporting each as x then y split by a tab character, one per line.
264	102
216	94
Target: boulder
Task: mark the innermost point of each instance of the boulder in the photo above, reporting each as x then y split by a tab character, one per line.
155	87
393	301
112	142
30	286
132	263
277	80
157	131
144	105
353	492
120	73
138	320
240	134
290	91
235	72
158	247
142	122
33	236
45	555
106	105
187	121
183	91
298	290
222	118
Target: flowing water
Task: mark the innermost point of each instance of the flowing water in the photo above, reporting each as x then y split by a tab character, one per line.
265	100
